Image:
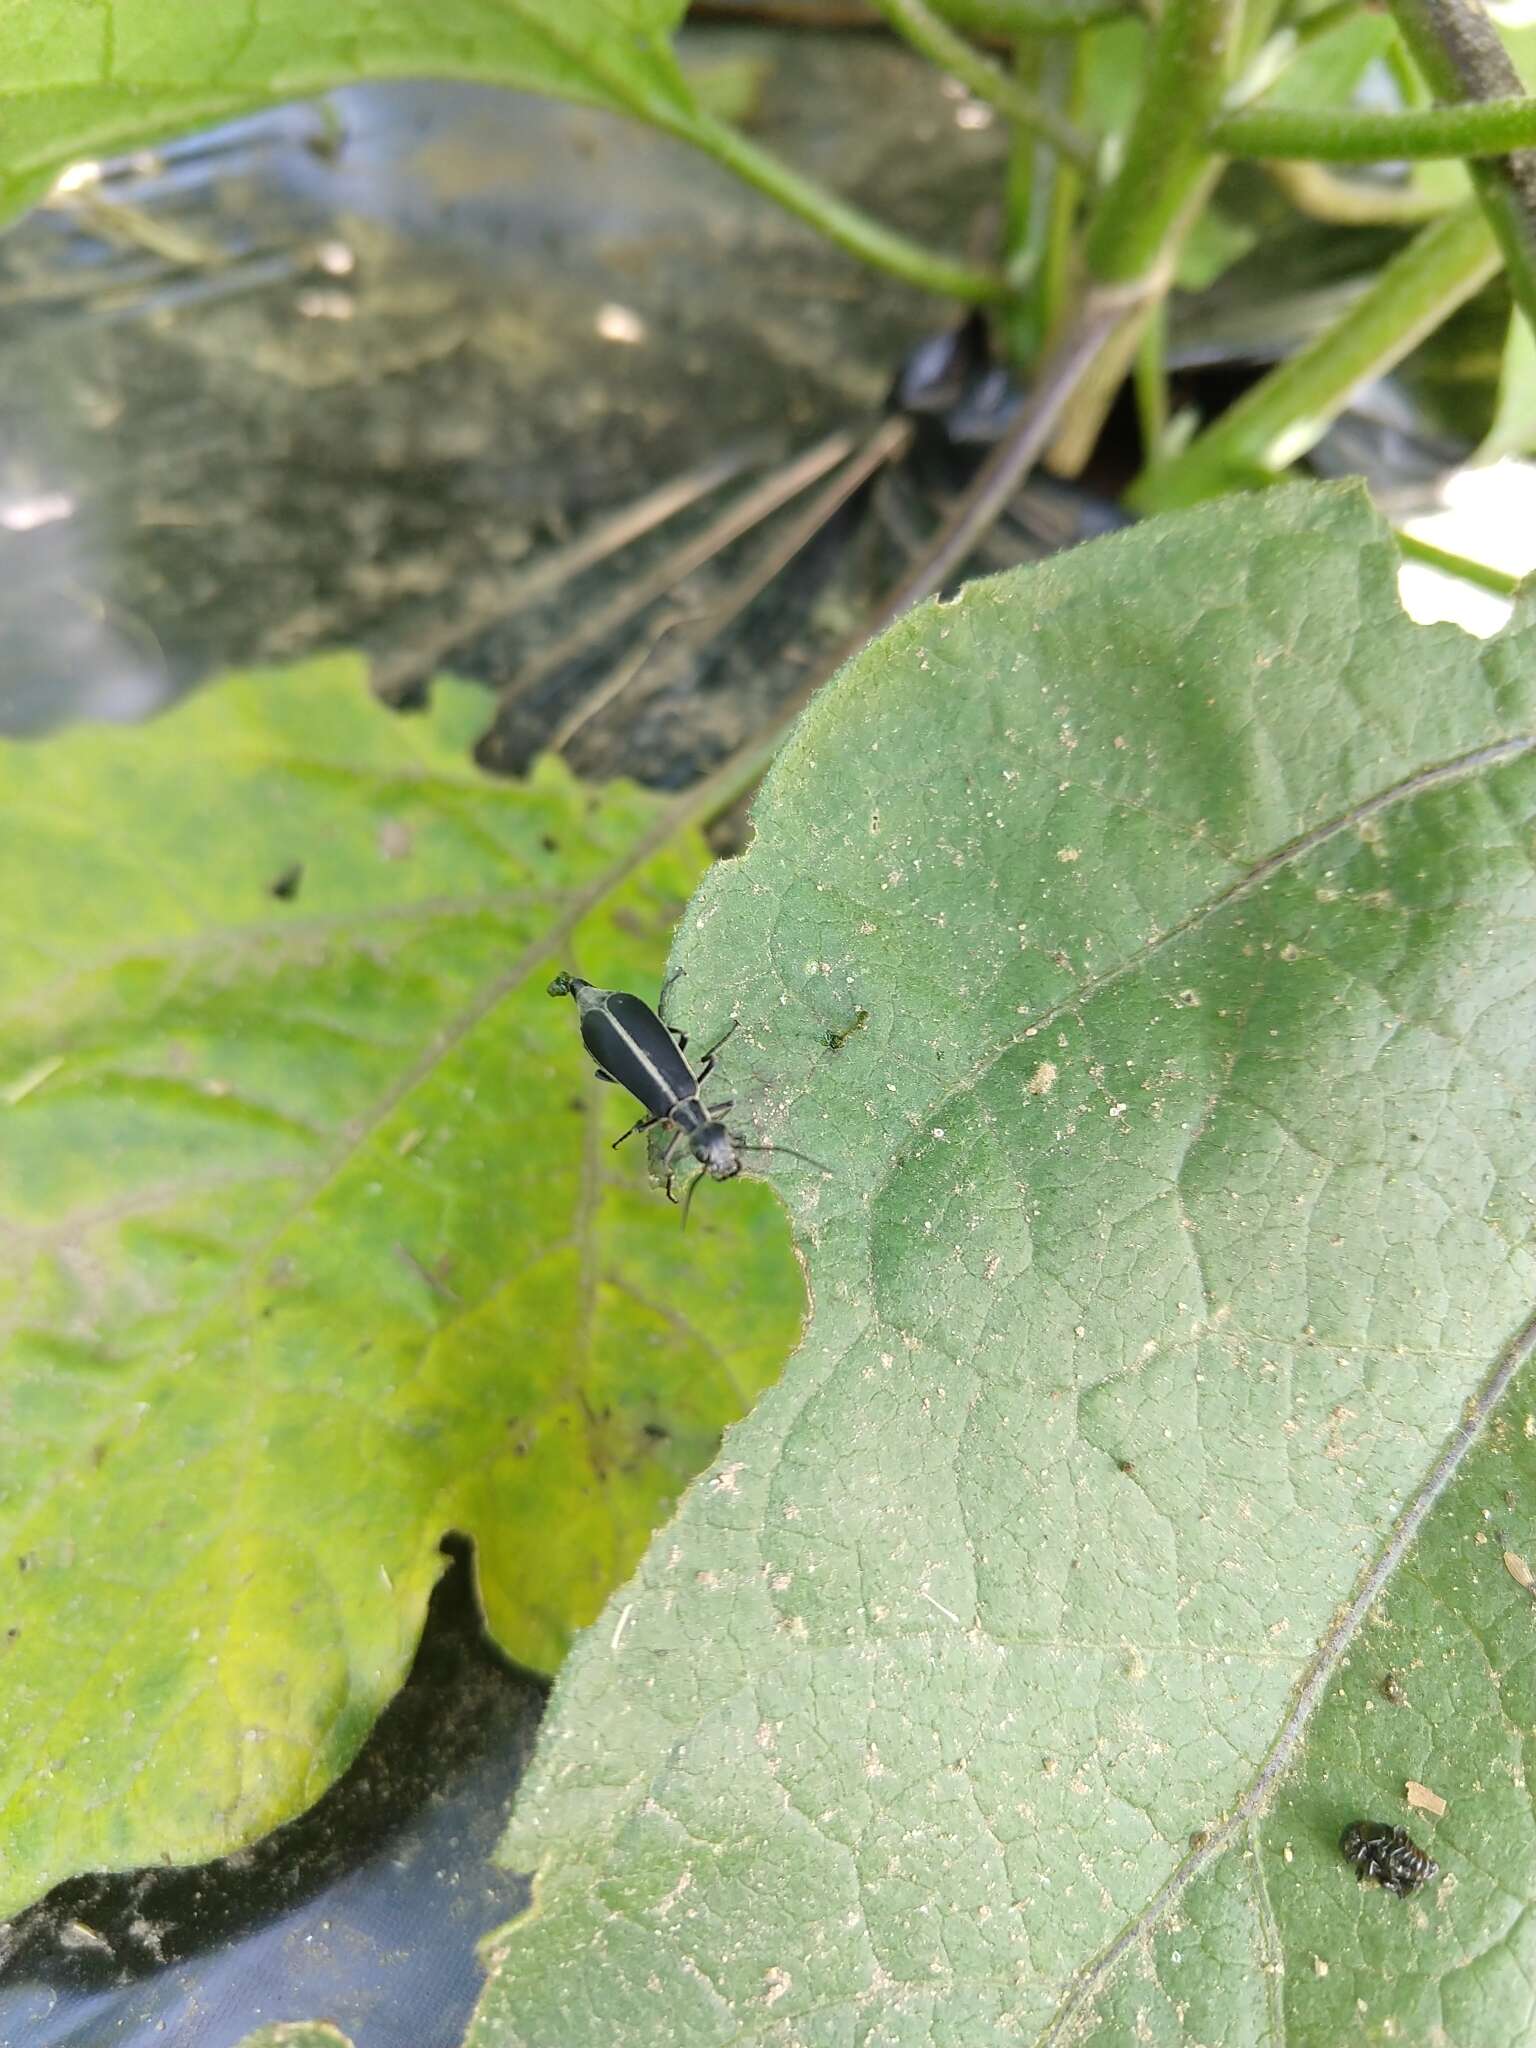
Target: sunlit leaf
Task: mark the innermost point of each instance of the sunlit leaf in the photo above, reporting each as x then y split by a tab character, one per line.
1180	1245
79	81
297	2034
312	1247
1513	431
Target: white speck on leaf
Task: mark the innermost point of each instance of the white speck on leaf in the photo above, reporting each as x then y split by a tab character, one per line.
1420	1797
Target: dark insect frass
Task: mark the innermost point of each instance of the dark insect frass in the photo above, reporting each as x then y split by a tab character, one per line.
1390	1855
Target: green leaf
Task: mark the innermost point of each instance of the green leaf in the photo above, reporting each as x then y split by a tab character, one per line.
1521	45
86	80
1216	241
1326	71
1435	1691
297	2034
1329	70
1513	431
312	1247
1113	57
1183	1204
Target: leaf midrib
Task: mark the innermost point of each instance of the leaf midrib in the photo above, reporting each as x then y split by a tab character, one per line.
448	1039
1521	1346
1440	775
669	824
278	944
679	816
1517	1352
1437	775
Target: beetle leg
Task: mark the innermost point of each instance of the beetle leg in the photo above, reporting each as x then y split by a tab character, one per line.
643	1125
602	1074
719	1108
661	999
708	1060
713	1049
680	1036
666	1160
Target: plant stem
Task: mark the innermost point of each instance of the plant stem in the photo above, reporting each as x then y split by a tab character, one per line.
1028	186
934	39
1150	376
1352	202
1168	156
1287	412
1458	50
1063	76
1097	323
1499	581
1164	179
839	220
1476	128
1099	320
1022	180
1323	22
1043	196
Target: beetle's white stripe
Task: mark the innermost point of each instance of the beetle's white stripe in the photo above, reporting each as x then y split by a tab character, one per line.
664	1086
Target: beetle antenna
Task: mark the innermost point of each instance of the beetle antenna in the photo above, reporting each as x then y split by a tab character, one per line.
790	1151
688	1198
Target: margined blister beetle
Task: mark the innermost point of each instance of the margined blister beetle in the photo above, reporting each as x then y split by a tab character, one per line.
632	1046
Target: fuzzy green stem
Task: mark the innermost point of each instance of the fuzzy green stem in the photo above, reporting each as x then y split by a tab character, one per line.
1288	411
1044	194
1457	48
1150	381
1352	202
1167	153
934	39
1165	177
1022	184
1042	17
1031	179
841	222
1499	581
1351	136
1323	22
1064	75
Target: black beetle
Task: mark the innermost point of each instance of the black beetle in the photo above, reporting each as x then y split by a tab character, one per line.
1378	1850
632	1046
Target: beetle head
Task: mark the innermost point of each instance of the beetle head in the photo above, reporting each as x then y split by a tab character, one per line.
715	1149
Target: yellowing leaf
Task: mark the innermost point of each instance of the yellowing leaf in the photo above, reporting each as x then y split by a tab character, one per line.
312	1246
